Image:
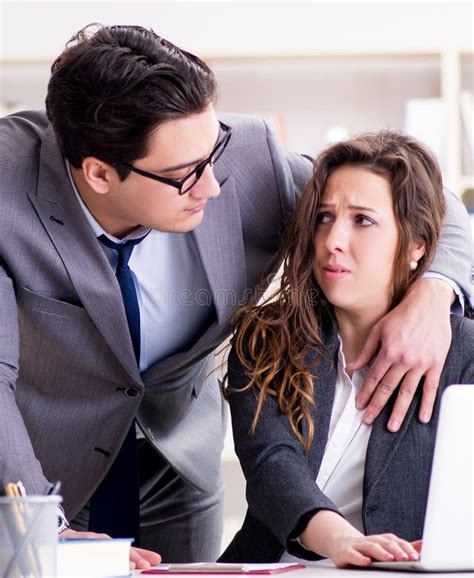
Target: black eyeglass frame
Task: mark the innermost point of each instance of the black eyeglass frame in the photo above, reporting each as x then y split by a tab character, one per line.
197	171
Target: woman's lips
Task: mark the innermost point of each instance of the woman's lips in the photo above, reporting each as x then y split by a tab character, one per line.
335	272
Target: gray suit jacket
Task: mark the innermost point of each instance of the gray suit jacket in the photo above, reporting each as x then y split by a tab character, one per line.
281	489
69	383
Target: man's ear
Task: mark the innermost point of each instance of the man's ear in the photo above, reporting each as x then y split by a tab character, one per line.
100	176
417	250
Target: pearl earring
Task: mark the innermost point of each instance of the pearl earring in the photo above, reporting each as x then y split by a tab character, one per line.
413	265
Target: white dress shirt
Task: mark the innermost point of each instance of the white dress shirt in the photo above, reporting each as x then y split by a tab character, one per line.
341	473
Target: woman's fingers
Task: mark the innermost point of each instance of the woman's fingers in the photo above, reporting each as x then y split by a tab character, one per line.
355	558
375	550
362	551
386	547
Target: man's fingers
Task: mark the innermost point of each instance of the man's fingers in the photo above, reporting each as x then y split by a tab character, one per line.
368	351
430	388
372	380
75	535
143	559
405	395
138	561
383	391
408	387
152	557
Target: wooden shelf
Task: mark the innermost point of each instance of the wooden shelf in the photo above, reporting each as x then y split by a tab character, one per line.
310	93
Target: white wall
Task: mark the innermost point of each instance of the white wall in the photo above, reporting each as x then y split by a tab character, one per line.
40	29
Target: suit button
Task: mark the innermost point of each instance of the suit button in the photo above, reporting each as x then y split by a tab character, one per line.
132	392
371	509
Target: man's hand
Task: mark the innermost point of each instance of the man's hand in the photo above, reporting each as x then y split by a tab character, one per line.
415	338
139	558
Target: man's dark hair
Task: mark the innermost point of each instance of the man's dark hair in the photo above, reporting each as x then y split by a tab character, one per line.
113	85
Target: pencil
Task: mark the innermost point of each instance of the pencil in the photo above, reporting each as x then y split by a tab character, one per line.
20	531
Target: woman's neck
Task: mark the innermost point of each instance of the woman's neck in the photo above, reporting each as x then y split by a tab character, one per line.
354	329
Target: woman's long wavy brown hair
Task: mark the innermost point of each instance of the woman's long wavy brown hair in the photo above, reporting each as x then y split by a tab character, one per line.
273	340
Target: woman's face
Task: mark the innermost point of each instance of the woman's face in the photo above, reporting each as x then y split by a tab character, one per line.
356	241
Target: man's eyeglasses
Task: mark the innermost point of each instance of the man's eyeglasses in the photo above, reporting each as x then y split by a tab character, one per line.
186	183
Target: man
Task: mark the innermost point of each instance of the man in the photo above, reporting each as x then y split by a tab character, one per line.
134	223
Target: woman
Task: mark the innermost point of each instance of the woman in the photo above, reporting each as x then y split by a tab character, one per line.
320	482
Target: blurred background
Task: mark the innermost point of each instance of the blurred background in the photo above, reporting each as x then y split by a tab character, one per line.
320	71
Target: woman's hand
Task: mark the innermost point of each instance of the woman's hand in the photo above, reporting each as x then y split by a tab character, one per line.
362	551
330	535
139	558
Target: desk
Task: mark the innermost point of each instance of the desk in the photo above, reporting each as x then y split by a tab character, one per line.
329	571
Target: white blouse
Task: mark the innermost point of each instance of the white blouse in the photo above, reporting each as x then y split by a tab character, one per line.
341	474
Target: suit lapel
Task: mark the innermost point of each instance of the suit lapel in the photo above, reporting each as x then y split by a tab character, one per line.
220	245
87	266
218	239
324	380
383	443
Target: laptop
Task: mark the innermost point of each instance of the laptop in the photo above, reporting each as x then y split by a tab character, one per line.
448	536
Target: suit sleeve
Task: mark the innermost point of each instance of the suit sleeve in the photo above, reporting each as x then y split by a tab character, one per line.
292	172
17	457
453	257
466	344
281	488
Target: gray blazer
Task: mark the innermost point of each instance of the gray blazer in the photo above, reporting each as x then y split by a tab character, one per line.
281	491
69	383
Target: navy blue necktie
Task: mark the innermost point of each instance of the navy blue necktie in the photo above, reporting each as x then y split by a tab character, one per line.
115	505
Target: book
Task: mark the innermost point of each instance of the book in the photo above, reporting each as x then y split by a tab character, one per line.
94	558
222	568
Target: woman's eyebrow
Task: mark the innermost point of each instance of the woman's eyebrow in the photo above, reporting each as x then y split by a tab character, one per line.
354	207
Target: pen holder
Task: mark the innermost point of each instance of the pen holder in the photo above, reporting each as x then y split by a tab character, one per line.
28	536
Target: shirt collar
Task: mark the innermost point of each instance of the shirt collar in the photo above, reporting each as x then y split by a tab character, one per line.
358	375
95	226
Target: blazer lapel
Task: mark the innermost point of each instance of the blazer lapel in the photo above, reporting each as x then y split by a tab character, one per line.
384	443
87	266
324	380
221	247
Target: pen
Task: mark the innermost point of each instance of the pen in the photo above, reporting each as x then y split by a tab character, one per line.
54	489
19	533
21	489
